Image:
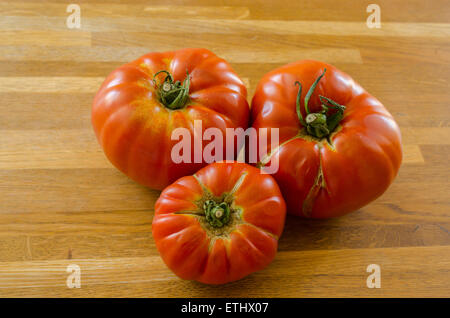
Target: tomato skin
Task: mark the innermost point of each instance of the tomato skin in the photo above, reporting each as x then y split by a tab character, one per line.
319	180
134	128
194	250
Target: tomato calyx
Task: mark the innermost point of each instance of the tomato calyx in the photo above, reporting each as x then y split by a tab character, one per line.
319	124
217	214
172	94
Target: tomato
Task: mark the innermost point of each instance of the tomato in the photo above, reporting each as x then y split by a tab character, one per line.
220	224
339	148
141	103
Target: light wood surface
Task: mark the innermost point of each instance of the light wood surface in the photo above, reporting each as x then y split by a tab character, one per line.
62	203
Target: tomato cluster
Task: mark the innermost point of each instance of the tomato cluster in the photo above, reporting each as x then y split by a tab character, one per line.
338	149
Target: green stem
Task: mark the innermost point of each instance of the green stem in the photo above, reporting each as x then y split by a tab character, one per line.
217	214
173	95
297	103
311	90
319	124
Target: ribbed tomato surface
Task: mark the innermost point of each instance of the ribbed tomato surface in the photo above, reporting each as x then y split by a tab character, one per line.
219	225
336	174
134	127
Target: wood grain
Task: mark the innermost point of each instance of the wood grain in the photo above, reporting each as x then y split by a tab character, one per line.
62	202
146	276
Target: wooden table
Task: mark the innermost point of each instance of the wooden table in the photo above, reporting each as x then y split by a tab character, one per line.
62	203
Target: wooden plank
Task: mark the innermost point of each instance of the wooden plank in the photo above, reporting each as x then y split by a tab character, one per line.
69	190
347	10
319	10
55	84
125	54
125	10
426	136
45	111
78	148
50	84
53	159
81	244
72	190
412	154
68	68
87	159
72	110
126	46
321	273
126	234
46	38
79	224
230	26
71	139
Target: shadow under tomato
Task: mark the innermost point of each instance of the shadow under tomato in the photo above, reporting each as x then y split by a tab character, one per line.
309	234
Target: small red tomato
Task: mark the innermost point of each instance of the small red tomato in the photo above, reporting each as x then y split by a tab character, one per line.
141	103
220	224
339	147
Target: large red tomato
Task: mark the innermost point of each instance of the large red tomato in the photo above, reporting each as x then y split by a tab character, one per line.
142	102
220	224
339	147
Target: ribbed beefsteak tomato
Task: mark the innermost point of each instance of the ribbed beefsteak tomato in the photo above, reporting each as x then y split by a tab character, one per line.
220	224
142	102
339	147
